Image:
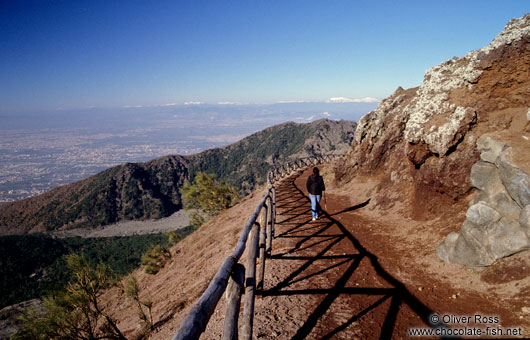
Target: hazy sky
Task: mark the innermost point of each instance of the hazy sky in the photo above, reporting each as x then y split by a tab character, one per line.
76	54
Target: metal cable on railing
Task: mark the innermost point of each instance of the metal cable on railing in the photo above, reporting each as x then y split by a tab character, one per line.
235	276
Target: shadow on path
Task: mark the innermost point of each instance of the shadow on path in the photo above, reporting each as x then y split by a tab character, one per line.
318	241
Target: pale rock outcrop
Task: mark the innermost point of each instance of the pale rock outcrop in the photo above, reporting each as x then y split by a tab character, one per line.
498	221
371	125
376	133
515	30
433	95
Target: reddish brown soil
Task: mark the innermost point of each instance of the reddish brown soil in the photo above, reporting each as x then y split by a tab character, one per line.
341	278
360	272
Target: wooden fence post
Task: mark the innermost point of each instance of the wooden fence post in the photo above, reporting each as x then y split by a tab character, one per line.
268	250
263	238
273	218
233	302
250	285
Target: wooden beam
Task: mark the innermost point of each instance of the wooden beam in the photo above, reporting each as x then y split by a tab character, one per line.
241	243
262	240
199	315
233	302
268	248
273	219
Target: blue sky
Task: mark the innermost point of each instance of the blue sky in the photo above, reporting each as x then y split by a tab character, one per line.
78	54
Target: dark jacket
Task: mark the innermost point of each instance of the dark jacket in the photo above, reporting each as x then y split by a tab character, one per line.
315	185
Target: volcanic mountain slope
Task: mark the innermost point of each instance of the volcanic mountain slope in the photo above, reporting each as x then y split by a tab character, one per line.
410	169
245	164
137	191
421	144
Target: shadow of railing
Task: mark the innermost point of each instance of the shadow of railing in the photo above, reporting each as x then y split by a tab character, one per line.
295	205
232	276
296	202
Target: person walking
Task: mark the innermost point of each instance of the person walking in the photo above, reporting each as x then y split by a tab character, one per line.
315	186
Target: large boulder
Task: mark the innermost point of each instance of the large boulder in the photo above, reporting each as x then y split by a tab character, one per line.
498	221
490	149
482	214
485	177
524	220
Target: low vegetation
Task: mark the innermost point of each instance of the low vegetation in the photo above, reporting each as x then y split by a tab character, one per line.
78	313
207	197
32	266
155	258
132	290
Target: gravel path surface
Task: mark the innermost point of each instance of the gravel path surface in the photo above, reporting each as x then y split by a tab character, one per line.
350	275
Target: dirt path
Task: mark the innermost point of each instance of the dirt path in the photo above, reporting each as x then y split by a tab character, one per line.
325	282
336	278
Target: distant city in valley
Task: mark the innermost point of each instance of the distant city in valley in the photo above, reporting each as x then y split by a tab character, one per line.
35	162
41	151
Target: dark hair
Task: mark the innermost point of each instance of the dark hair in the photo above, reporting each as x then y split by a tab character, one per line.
316	171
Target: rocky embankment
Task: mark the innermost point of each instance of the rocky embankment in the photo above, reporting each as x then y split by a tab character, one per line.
461	136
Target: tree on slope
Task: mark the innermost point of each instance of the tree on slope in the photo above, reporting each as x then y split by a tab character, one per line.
207	195
76	313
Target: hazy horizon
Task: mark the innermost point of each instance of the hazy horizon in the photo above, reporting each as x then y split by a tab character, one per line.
37	155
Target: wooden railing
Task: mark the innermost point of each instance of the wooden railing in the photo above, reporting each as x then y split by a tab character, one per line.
285	169
197	319
233	277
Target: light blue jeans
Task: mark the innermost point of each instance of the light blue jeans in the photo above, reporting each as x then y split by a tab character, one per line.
315	204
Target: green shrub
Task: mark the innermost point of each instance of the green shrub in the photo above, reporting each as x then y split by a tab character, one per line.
132	290
207	195
155	258
197	219
174	237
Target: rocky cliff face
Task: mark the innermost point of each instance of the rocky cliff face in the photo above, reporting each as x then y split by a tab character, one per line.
125	192
428	140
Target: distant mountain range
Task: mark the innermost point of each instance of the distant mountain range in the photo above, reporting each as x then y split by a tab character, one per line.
150	190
